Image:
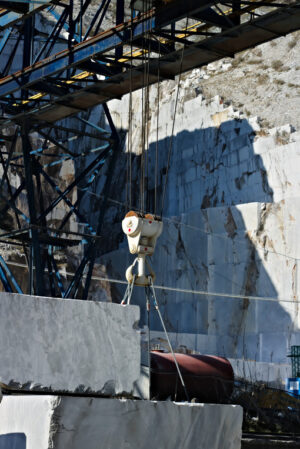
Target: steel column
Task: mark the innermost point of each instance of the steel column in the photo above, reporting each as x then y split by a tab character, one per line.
31	199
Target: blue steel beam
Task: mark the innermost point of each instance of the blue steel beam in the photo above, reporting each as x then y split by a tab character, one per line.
10	275
11	57
8	18
4	39
4	280
102	43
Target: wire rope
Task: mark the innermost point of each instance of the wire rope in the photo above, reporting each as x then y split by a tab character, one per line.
173	127
147	114
142	166
197	229
129	142
157	127
221	295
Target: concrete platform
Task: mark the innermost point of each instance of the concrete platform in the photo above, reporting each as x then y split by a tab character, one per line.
64	345
41	422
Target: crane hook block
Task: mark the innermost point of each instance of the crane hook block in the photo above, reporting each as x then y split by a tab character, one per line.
142	233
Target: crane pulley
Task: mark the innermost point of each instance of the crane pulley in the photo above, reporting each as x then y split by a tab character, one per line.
142	233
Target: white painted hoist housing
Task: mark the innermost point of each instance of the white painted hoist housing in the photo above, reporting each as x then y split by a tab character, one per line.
142	233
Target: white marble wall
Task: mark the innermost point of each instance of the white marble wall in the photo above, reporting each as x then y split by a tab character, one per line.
219	156
230	226
231	221
232	250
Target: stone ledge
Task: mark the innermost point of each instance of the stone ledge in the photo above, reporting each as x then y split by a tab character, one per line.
91	423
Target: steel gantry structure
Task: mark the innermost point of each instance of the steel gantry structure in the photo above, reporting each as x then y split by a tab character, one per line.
79	62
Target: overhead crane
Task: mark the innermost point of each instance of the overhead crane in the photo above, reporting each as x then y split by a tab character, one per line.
93	67
72	95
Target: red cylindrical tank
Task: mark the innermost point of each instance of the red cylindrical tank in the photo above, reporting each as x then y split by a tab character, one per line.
207	378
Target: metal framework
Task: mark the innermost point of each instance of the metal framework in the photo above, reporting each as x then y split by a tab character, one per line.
47	77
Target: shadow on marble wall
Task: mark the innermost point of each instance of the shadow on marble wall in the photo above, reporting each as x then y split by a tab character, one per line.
214	170
205	244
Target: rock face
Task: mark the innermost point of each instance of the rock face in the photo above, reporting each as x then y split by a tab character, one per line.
230	210
230	226
72	346
235	251
42	422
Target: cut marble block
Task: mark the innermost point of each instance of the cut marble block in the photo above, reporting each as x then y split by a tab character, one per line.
64	345
68	422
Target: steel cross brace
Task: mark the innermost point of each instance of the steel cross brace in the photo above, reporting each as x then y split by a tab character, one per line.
34	171
91	251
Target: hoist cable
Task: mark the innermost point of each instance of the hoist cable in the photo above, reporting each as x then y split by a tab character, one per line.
129	142
147	114
142	167
157	125
173	128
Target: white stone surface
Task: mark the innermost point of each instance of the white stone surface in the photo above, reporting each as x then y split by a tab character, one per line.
25	421
219	156
249	249
65	345
68	422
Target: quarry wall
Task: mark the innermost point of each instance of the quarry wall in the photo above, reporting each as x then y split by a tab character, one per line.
230	225
231	206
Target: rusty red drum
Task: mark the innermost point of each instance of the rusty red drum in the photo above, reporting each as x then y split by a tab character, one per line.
207	378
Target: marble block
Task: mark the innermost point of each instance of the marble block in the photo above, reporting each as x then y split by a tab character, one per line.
64	345
41	422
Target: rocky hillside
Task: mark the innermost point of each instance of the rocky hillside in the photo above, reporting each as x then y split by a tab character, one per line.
264	81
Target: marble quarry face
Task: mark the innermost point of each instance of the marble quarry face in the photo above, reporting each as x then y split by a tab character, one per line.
230	226
230	221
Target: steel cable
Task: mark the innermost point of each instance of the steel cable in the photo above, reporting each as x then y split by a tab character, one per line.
173	128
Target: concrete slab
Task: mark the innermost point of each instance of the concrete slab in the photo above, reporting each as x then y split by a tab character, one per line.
63	345
68	422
